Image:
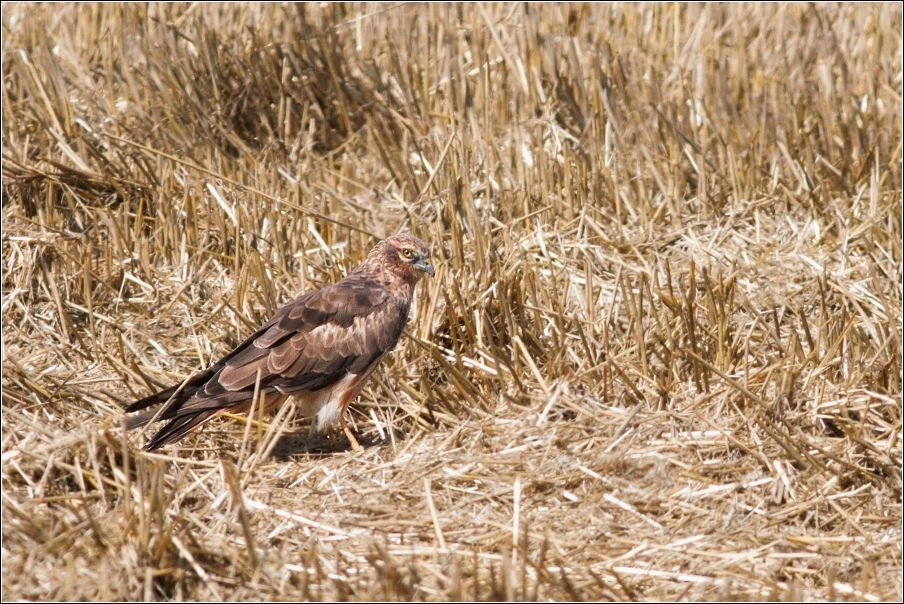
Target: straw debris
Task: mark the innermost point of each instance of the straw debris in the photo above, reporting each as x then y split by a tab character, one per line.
660	359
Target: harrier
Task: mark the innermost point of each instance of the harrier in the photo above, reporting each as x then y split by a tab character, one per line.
320	349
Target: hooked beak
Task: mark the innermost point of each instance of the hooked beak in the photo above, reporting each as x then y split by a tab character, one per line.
423	265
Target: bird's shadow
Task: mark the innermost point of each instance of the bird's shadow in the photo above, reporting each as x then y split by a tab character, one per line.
320	445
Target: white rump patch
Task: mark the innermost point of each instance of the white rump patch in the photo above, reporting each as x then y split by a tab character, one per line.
331	410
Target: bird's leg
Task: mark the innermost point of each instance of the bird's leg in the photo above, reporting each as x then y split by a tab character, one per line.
351	438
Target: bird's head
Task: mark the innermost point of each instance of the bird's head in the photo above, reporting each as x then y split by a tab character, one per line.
407	255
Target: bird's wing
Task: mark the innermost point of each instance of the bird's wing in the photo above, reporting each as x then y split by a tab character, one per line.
316	340
309	344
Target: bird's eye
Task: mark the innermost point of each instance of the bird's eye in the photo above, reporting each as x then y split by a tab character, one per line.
406	252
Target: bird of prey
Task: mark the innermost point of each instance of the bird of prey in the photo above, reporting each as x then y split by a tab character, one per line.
320	348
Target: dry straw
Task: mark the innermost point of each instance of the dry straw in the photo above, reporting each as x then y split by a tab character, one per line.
661	357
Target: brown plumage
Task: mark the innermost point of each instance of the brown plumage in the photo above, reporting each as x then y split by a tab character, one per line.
319	348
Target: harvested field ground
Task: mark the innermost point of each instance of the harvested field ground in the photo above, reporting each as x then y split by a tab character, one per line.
660	359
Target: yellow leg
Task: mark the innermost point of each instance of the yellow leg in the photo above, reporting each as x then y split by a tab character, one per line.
351	438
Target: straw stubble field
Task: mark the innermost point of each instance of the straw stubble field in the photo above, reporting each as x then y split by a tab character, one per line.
660	359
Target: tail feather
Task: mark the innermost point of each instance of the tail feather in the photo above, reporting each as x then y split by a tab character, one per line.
146	410
183	409
187	406
178	428
158	398
188	388
142	418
